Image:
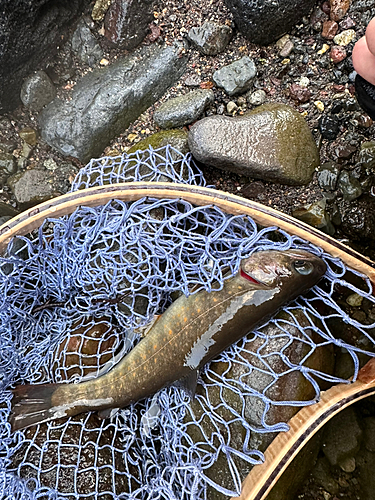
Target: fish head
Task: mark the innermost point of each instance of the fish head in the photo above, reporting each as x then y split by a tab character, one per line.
296	268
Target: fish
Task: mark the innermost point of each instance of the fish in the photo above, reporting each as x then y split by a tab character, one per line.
191	332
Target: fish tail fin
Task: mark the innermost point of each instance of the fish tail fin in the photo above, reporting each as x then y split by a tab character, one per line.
32	405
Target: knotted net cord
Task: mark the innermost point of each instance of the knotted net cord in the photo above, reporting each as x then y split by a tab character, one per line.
74	296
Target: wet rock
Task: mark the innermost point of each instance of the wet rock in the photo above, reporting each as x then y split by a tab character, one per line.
235	78
7	166
358	219
51	454
37	91
271	142
354	300
315	215
32	187
342	436
323	476
184	109
176	138
329	127
29	135
85	45
344	38
349	186
210	38
256	98
328	176
231	107
126	22
287	49
343	151
7	210
289	387
30	34
265	22
338	9
329	29
318	18
107	100
366	156
337	54
299	93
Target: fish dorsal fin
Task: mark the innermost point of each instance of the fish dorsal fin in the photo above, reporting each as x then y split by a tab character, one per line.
188	383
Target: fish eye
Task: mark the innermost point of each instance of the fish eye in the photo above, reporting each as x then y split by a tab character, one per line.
303	267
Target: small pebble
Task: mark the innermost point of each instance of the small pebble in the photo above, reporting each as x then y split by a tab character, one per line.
324	49
282	41
329	127
304	81
231	107
298	93
354	300
344	38
257	97
29	135
329	29
319	105
337	54
338	9
287	49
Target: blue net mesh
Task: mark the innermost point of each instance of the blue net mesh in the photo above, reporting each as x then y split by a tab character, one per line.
77	294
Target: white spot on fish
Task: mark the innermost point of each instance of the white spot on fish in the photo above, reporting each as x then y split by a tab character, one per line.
202	345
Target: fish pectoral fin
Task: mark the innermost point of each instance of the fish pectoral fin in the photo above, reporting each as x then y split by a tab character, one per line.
189	383
107	413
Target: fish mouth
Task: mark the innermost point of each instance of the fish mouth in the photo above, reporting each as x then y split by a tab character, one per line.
250	278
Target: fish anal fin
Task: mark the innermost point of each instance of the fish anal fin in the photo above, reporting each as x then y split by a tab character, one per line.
188	383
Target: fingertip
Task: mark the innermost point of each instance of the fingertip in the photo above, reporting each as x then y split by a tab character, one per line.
370	36
364	60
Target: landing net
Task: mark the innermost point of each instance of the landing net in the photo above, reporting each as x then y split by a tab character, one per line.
74	296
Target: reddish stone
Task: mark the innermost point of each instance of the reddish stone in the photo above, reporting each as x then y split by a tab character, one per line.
330	29
298	93
326	7
347	23
338	9
337	54
338	88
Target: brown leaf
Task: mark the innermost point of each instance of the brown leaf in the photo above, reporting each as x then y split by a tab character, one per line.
206	85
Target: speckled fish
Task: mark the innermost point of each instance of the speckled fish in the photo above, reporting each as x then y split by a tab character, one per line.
191	332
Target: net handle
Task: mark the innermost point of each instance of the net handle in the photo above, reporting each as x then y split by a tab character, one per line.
197	195
285	447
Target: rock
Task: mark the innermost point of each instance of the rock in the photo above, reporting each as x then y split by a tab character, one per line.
271	142
108	99
7	166
176	138
366	479
42	24
7	210
231	107
344	38
366	156
235	78
323	476
126	22
99	10
315	215
265	22
31	187
337	54
37	90
184	109
328	176
192	80
354	300
329	29
329	127
85	45
287	49
29	135
256	98
289	387
338	9
210	38
349	186
358	219
342	436
299	93
318	18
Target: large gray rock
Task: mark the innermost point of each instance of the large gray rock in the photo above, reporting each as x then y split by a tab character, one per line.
263	22
210	38
126	22
272	143
107	100
237	77
85	45
30	32
183	109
